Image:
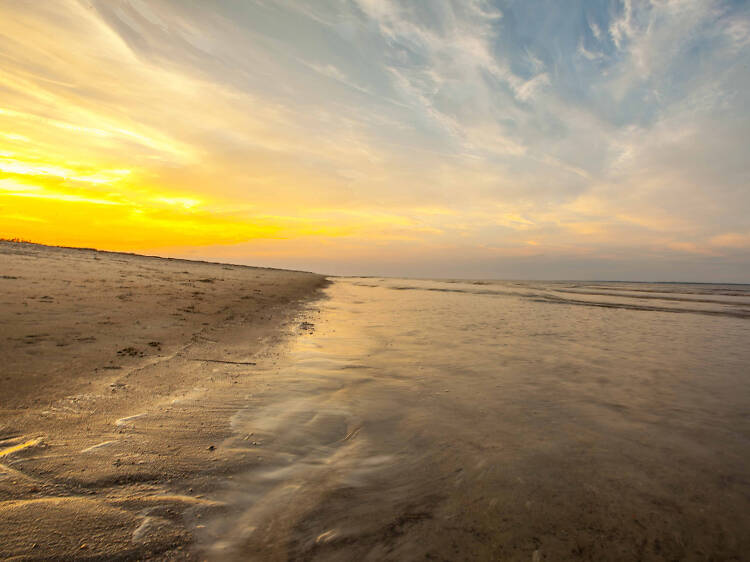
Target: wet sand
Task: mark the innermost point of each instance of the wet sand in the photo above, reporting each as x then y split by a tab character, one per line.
162	409
117	380
426	420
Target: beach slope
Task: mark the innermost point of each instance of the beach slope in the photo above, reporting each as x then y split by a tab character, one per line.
118	377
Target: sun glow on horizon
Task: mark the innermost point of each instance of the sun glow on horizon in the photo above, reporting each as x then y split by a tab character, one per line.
417	138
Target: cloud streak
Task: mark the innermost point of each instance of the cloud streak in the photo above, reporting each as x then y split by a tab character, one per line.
485	138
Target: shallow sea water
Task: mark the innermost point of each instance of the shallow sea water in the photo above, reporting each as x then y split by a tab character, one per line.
500	420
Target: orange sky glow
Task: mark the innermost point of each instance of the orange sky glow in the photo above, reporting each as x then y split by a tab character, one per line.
378	139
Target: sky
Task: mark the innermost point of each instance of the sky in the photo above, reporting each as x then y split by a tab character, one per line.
529	139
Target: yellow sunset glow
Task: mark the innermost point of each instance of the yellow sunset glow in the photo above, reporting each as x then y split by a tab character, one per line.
194	130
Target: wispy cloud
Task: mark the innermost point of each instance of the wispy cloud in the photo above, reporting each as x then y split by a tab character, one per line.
594	129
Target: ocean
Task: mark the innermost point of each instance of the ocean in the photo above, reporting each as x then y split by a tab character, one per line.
458	420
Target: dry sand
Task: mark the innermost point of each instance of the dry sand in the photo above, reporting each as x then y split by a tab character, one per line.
119	375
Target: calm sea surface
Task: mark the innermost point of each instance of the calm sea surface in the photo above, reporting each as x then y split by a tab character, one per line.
501	420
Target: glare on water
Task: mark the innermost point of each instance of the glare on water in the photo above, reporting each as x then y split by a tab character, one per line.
510	420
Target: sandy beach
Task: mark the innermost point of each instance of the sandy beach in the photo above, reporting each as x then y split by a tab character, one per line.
174	410
117	376
528	337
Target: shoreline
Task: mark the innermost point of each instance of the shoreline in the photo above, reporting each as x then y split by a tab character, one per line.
120	374
52	247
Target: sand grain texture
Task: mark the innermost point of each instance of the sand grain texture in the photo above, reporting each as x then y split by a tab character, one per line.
118	376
